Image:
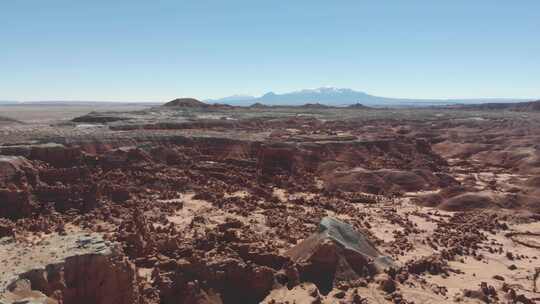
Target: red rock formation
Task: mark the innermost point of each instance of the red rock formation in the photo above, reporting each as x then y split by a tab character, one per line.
87	279
15	203
57	155
276	159
14	168
99	280
336	253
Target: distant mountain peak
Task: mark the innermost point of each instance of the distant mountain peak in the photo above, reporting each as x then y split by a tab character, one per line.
232	98
242	96
323	90
333	96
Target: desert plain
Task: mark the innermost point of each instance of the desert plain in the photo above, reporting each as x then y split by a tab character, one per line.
195	203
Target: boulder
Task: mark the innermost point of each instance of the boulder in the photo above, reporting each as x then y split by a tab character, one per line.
337	252
468	201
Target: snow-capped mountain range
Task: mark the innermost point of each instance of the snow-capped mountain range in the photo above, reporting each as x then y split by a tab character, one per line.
343	97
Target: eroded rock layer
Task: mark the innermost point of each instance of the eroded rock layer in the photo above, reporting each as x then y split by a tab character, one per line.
271	209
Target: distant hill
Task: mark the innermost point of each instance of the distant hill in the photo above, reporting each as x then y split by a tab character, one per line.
530	106
314	106
358	106
194	103
8	121
258	105
186	103
345	97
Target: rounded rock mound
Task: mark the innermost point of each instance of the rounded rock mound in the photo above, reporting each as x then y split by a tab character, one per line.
186	103
468	201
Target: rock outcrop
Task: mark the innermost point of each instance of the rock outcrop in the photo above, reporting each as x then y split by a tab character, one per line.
86	269
57	155
15	203
13	167
337	252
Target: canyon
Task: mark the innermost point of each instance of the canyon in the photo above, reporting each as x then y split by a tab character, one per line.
213	204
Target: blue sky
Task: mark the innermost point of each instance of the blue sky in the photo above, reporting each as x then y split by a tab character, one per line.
157	50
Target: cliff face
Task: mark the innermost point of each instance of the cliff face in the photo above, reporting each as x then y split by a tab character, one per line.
86	269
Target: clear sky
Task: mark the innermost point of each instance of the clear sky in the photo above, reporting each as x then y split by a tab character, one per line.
150	50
